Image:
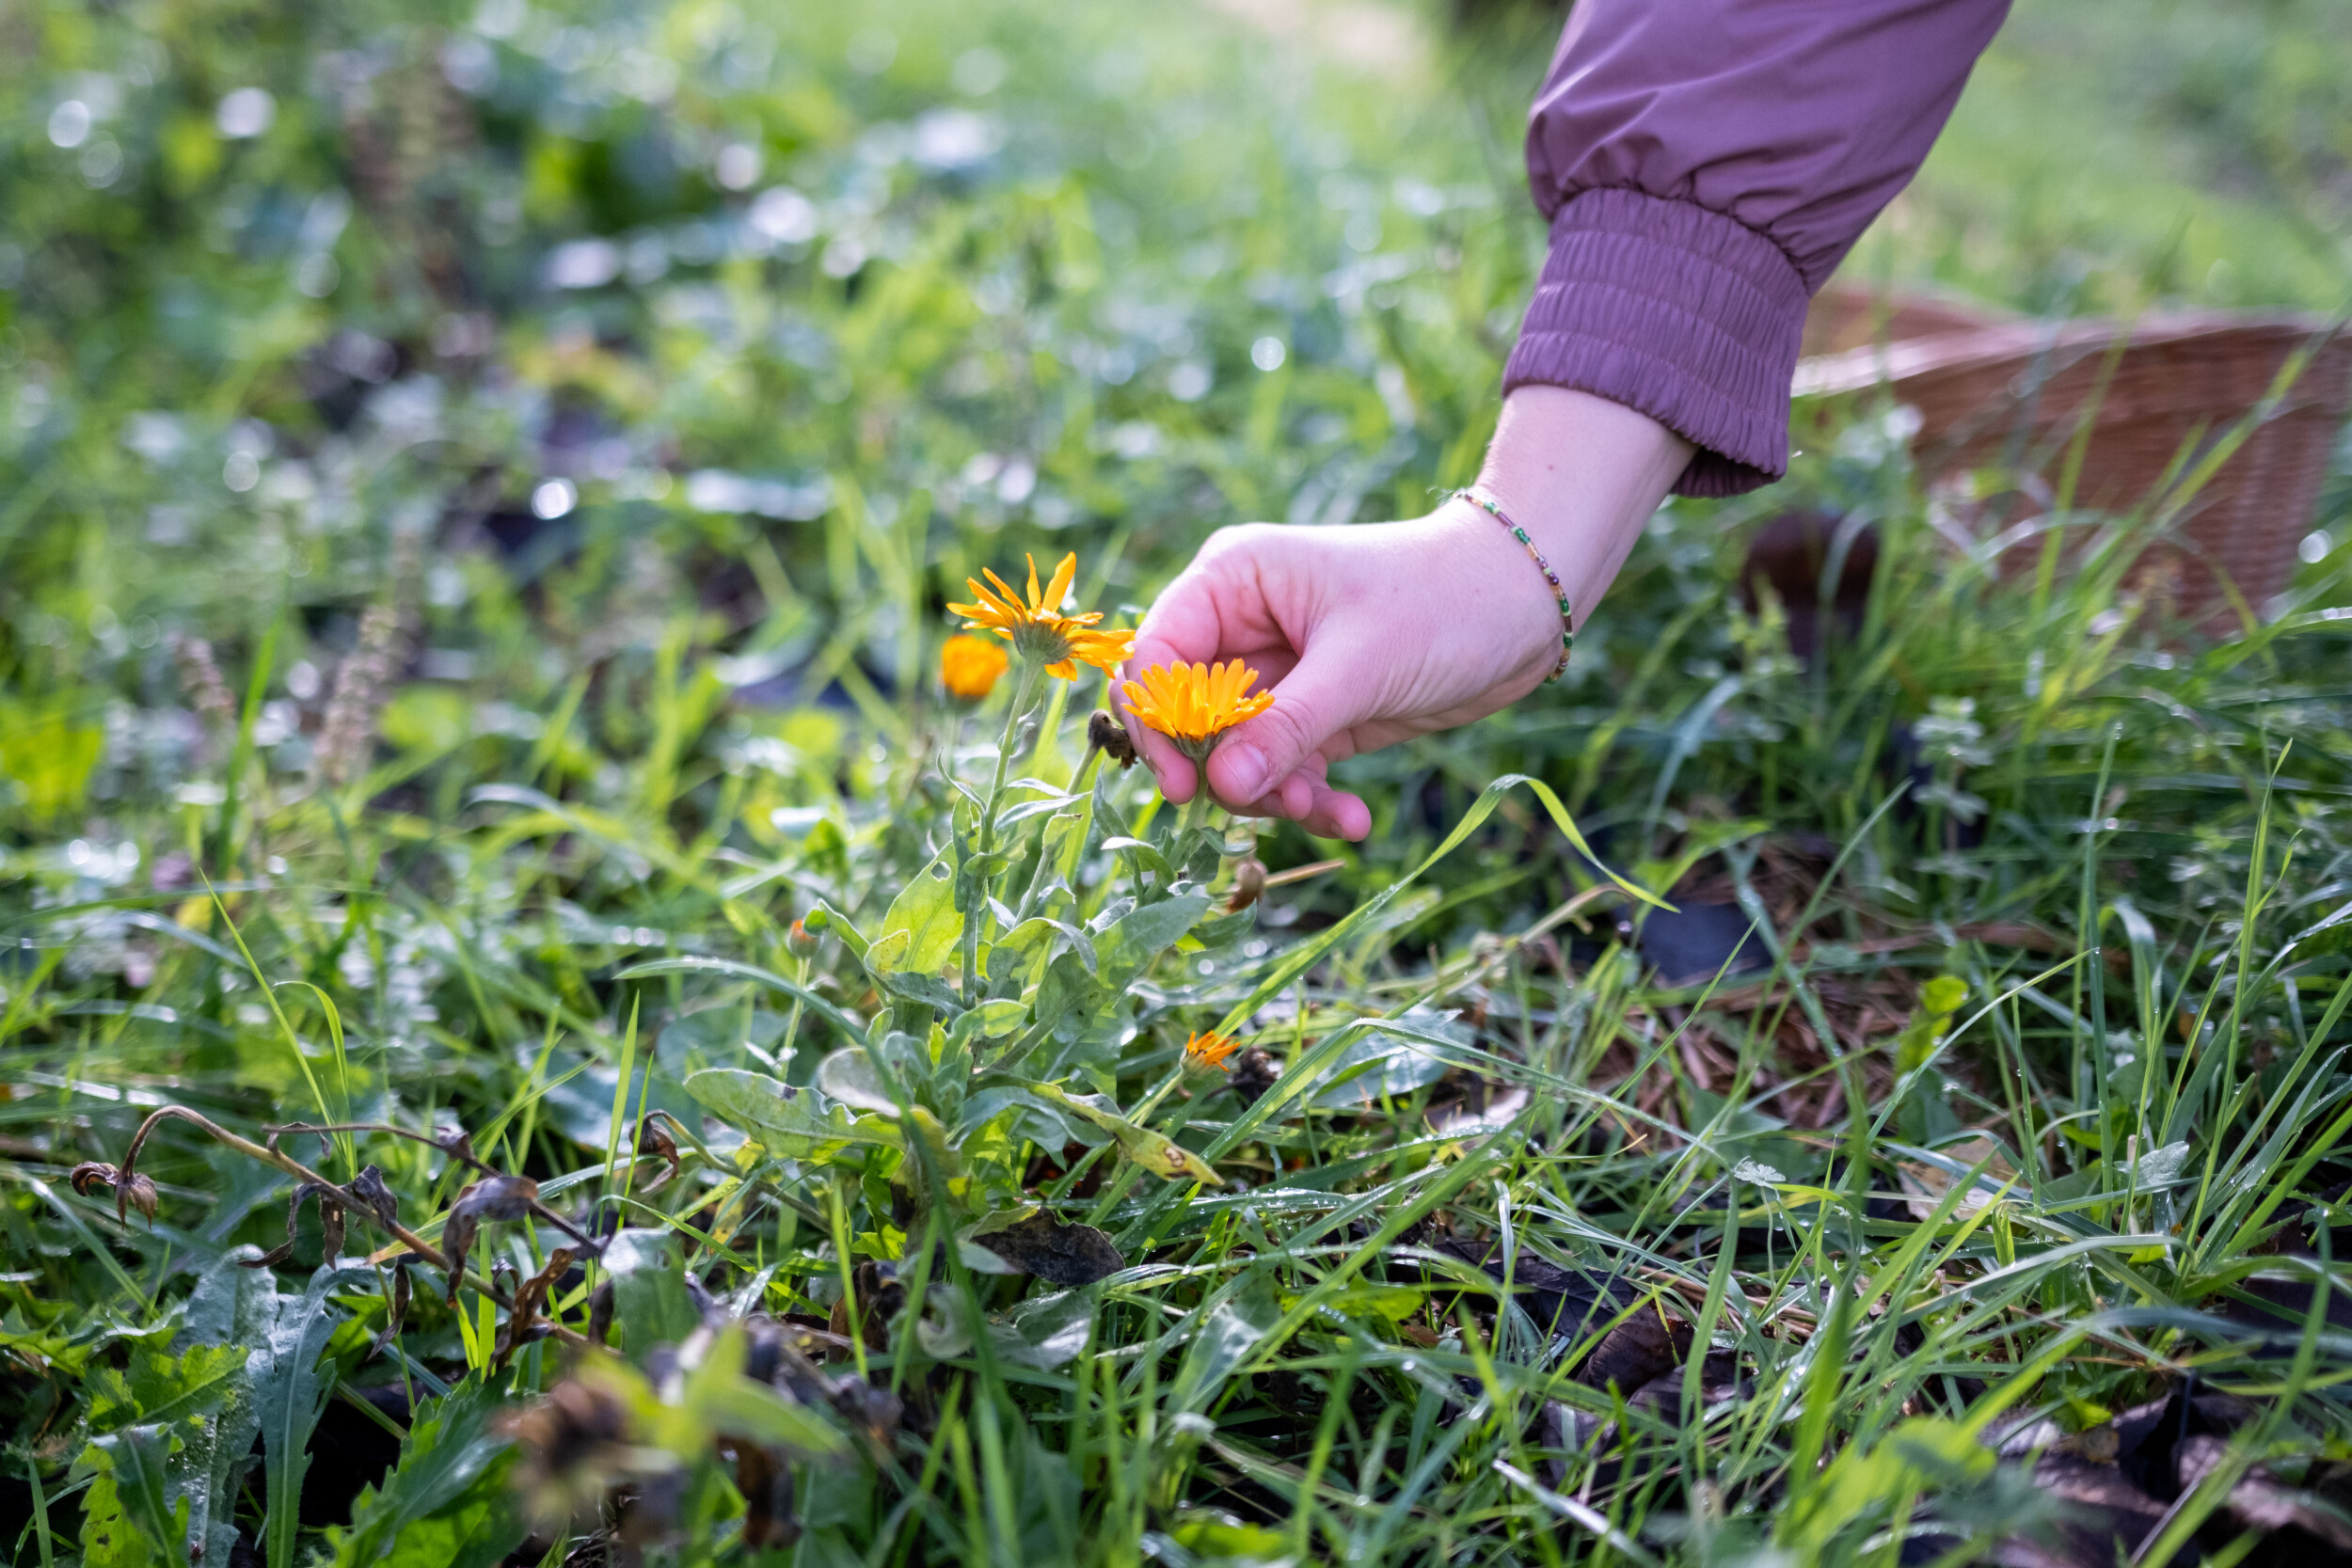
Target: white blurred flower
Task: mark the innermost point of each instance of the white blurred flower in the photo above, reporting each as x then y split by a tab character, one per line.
69	122
246	112
583	264
553	498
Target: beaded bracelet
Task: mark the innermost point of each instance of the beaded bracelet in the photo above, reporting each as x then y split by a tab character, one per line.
1567	622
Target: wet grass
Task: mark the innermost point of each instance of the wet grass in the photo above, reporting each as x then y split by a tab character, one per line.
2013	1124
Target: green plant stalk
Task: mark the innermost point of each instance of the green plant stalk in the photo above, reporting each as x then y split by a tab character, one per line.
1023	693
1197	809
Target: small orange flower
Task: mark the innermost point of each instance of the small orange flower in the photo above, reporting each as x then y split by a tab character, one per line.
1204	1052
1194	703
969	666
1038	629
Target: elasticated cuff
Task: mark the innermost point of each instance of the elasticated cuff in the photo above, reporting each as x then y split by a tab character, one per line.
1679	314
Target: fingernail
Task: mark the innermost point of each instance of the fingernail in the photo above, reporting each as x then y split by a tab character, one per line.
1244	772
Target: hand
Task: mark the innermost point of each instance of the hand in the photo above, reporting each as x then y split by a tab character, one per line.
1371	635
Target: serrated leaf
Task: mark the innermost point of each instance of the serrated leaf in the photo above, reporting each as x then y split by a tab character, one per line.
448	1455
187	1397
230	1310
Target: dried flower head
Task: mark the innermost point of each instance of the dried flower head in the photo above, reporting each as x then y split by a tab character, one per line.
1251	1075
1109	736
1036	627
574	1446
1207	1052
133	1192
1248	884
1193	704
969	667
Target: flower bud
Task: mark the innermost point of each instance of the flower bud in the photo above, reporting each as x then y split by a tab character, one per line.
800	941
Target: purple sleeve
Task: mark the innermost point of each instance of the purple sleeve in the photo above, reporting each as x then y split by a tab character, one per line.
1705	165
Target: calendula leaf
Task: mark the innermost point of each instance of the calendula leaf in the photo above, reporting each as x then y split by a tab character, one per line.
1134	939
127	1522
1154	1152
290	1395
648	1273
850	1076
790	1121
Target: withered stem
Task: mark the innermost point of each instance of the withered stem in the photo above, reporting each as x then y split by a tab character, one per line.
301	1172
538	1210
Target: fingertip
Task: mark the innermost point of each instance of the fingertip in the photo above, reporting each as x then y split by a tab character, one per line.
1176	778
1297	795
1339	816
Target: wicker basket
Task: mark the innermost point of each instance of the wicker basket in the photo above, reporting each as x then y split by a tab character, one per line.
1844	317
2010	396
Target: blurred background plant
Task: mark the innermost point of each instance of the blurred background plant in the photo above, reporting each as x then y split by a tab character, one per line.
479	488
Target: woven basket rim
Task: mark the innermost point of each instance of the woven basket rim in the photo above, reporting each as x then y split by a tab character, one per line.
1977	348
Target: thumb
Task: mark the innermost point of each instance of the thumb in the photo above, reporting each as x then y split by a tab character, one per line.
1311	703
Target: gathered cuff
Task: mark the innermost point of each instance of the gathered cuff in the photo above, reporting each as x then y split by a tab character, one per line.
1677	312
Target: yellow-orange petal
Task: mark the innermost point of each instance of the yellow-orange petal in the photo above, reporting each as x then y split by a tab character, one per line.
1193	704
1058	589
1205	1051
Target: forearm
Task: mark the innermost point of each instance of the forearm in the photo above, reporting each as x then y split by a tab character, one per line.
1704	165
1582	475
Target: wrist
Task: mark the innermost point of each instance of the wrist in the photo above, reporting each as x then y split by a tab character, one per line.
1520	610
1560	623
1581	475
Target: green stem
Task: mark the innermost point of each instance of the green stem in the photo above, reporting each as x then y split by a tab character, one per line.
1196	809
1023	693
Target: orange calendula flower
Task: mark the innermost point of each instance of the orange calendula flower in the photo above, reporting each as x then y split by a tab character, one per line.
1194	703
1038	629
1204	1052
969	667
